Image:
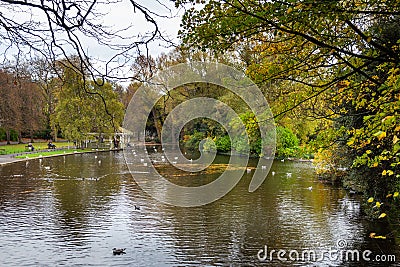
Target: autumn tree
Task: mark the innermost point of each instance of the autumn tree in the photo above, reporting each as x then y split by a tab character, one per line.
9	103
81	110
31	107
340	57
45	76
21	103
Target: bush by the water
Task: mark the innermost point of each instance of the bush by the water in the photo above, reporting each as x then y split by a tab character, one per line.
194	140
209	145
287	143
223	143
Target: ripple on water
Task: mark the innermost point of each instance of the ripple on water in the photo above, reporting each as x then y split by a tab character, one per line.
56	218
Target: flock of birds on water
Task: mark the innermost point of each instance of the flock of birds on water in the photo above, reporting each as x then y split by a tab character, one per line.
288	174
120	251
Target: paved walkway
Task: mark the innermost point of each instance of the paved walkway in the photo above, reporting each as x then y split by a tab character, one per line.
4	159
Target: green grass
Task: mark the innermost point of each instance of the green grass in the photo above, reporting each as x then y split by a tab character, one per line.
19	148
51	153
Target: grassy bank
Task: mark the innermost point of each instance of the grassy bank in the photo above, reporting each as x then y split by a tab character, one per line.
52	153
20	148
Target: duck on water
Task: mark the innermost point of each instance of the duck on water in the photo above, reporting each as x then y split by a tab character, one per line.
118	251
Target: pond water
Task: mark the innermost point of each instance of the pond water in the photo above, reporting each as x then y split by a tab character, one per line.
72	210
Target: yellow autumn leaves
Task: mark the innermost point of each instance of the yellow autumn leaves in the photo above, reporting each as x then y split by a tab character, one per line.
379	204
380	135
383	215
387	172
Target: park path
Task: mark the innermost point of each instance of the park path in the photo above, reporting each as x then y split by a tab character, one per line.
5	159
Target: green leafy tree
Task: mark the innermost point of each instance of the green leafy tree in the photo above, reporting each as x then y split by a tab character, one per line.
337	59
287	142
93	109
223	143
254	136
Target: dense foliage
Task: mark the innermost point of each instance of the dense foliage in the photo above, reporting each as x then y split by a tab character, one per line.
43	105
82	112
21	103
335	60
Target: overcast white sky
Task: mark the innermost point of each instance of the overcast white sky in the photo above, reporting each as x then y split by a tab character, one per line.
116	15
122	15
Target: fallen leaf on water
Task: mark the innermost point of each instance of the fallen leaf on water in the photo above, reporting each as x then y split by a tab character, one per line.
372	235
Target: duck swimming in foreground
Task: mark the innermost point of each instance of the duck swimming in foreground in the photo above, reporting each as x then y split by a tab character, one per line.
118	251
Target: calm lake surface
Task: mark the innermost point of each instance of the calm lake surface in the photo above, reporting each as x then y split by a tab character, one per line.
72	210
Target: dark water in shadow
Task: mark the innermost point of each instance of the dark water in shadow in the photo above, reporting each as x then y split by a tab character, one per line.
73	210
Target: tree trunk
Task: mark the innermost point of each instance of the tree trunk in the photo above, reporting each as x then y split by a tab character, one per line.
8	134
157	123
174	141
31	135
20	137
55	133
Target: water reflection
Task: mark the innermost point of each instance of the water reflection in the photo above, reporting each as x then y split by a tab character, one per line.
73	210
